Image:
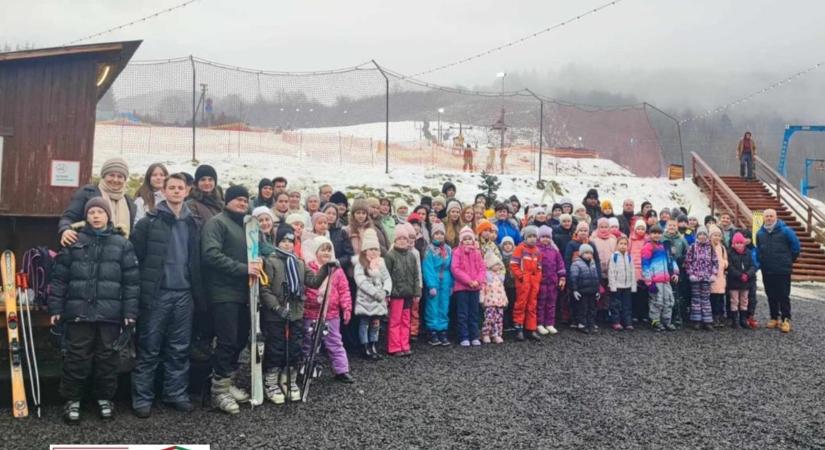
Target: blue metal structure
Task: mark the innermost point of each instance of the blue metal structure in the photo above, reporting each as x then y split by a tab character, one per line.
804	185
789	131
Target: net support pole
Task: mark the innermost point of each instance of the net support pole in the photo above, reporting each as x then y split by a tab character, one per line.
541	128
194	108
678	134
386	118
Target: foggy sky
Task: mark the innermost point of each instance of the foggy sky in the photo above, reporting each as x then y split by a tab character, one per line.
674	53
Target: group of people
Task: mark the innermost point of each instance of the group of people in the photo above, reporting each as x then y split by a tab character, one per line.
174	263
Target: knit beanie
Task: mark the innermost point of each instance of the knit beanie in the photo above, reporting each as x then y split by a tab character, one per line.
613	222
483	226
701	230
115	165
338	197
465	232
583	226
738	238
292	218
640	224
399	203
264	182
373	202
564	217
234	192
205	171
565	201
414	218
263	210
317	216
592	193
404	229
536	211
440	200
545	231
447	186
98	202
318	241
453	204
285	231
506	239
438	227
713	229
369	240
665	211
585	248
359	204
607	204
529	230
490	260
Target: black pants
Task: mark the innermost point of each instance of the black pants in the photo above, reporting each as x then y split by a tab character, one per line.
508	310
276	342
641	307
232	330
778	290
752	298
586	310
89	351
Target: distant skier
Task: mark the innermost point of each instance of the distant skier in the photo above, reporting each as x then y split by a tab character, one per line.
468	158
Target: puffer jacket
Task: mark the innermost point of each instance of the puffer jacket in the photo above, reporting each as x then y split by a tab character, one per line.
468	265
507	228
275	299
571	254
620	272
678	247
96	279
634	247
552	265
718	284
403	266
701	263
739	263
374	286
151	238
493	294
436	267
342	247
777	248
223	259
657	265
339	301
584	277
74	212
605	247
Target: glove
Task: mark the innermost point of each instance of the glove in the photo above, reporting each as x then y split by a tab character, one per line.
332	265
652	288
577	295
433	292
744	278
598	295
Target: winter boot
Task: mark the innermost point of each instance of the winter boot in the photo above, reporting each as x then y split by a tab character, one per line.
772	324
434	339
743	319
785	326
520	334
106	409
288	384
534	336
442	337
367	351
273	389
222	397
734	320
240	395
376	355
71	412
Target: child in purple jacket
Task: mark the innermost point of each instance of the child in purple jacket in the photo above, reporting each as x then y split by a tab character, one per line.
553	276
701	266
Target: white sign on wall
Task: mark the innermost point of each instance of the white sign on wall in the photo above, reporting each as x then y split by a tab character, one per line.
65	173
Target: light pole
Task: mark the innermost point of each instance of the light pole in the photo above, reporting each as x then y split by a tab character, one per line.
438	138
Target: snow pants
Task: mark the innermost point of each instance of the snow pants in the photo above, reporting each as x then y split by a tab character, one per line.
88	351
527	292
164	338
493	322
641	303
232	331
398	334
661	304
437	310
546	314
415	317
332	342
700	310
467	315
276	341
739	300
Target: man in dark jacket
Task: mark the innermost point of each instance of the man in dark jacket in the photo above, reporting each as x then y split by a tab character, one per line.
592	206
94	291
226	273
626	218
167	244
778	247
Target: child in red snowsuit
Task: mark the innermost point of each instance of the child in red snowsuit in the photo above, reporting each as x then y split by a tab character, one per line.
526	267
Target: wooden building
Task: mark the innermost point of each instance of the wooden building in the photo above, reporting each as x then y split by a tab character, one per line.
48	99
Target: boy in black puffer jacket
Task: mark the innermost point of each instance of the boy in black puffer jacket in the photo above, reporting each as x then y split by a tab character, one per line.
584	283
95	286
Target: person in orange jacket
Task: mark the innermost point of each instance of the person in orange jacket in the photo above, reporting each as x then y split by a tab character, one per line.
526	267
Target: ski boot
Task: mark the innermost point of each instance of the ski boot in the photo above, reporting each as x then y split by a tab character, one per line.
292	389
240	395
222	398
273	389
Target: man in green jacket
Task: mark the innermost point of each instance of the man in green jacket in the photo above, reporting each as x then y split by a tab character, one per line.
226	272
678	246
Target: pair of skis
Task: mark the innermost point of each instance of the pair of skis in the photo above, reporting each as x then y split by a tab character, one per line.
256	340
16	289
319	331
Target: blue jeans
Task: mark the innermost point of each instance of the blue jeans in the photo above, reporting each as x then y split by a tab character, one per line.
467	313
746	166
368	327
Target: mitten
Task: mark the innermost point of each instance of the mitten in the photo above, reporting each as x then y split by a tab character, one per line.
577	295
744	278
433	292
652	288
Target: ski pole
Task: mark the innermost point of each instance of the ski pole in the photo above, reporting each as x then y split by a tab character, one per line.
28	339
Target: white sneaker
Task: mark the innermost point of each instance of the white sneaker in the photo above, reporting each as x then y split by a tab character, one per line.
542	331
552	330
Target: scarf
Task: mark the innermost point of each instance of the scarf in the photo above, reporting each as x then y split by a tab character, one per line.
292	280
617	233
603	233
121	217
770	227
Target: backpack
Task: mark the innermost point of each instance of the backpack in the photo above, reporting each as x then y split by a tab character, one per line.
37	267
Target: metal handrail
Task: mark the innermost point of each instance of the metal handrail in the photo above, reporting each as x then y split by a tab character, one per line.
742	214
782	186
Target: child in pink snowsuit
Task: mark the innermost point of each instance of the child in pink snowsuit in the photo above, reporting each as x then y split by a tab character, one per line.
493	299
552	279
339	304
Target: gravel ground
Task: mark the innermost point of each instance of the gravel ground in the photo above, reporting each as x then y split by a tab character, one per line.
688	389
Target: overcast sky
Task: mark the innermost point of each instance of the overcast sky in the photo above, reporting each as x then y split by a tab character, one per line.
715	49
